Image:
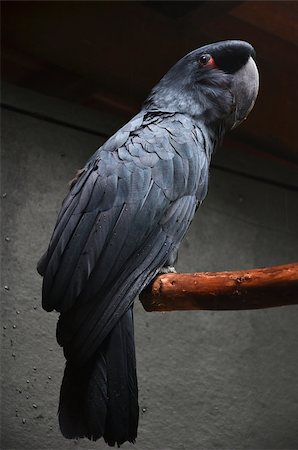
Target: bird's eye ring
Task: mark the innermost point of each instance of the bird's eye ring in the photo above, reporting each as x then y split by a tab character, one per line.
206	59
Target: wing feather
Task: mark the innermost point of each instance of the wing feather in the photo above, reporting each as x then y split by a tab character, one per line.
127	212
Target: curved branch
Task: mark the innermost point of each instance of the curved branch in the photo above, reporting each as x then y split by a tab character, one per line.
240	290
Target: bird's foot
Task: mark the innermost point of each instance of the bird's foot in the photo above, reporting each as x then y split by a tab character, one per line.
168	269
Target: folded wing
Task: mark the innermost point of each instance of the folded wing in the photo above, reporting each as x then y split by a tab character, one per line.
127	212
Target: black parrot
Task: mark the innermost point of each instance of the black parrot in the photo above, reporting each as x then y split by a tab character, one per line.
123	221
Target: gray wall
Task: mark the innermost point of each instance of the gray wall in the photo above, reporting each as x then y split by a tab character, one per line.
207	380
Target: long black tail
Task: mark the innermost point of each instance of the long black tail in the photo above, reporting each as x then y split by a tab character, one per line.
101	398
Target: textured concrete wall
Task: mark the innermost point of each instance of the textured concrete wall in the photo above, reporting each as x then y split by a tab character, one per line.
207	380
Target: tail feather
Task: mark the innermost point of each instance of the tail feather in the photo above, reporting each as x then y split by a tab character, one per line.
83	399
123	411
100	399
96	401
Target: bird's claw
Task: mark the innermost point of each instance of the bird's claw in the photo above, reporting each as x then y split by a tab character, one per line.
168	269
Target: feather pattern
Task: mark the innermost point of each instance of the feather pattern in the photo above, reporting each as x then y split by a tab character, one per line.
121	222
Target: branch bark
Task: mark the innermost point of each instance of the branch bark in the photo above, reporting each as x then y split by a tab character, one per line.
240	290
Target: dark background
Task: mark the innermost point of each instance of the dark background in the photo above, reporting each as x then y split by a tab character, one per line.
72	73
108	55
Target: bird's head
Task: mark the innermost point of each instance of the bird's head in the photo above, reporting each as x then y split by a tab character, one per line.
217	83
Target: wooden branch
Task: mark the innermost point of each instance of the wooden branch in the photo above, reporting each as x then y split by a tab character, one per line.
245	289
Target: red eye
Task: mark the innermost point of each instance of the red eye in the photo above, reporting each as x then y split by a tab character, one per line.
206	60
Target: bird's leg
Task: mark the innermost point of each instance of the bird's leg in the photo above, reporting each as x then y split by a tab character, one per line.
167	269
169	264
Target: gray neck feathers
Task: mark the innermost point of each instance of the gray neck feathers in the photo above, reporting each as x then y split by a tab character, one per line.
206	102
